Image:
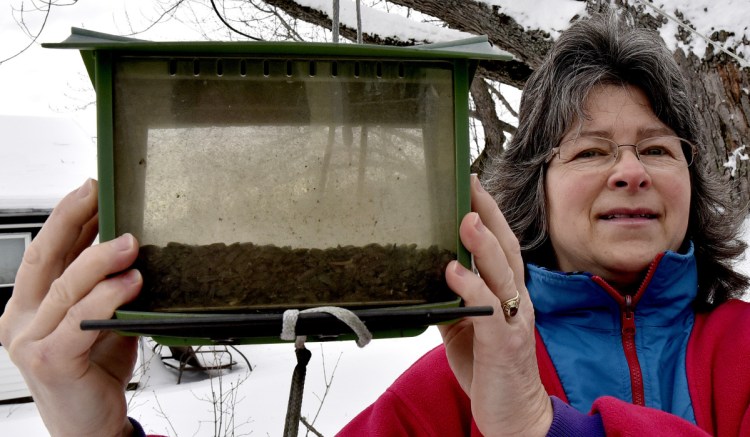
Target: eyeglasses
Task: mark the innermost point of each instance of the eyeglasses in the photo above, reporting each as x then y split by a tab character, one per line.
596	153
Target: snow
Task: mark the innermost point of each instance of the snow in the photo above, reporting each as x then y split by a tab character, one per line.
54	82
44	158
551	16
705	17
380	22
738	153
356	376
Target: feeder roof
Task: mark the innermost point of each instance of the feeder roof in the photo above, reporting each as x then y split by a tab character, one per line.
88	41
476	48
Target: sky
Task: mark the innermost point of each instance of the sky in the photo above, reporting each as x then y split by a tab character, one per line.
53	83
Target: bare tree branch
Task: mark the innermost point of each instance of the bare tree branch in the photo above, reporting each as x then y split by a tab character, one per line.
221	18
168	12
320	18
496	92
310	427
21	21
512	72
494	137
528	46
291	31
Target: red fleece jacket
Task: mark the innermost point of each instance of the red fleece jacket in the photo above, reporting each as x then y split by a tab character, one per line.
427	400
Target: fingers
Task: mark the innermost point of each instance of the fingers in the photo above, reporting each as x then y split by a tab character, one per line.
89	231
483	203
495	250
497	256
67	345
81	279
46	257
487	330
489	256
60	282
470	287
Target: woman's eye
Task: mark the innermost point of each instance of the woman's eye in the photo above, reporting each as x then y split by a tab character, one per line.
654	151
591	153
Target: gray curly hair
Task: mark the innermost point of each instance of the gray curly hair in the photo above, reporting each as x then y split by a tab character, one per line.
609	49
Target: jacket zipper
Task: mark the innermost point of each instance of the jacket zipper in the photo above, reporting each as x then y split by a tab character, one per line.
628	345
627	319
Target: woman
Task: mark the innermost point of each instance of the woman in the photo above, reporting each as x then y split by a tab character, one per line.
650	340
635	326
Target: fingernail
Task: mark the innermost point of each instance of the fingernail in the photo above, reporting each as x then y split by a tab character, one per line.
131	277
458	269
123	242
476	184
84	189
478	225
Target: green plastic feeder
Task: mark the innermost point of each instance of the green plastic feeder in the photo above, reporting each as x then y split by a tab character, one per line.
265	176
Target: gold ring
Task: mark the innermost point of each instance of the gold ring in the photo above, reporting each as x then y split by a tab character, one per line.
510	306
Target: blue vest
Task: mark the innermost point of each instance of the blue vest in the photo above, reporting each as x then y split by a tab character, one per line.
581	326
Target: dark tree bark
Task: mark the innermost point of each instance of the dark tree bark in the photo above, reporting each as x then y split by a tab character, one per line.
529	47
721	90
486	113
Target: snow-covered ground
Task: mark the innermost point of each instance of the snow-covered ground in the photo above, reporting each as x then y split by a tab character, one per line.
356	378
51	82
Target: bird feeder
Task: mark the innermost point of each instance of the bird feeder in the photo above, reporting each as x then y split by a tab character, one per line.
264	176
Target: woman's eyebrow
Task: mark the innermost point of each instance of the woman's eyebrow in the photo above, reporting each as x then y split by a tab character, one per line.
641	132
603	133
646	132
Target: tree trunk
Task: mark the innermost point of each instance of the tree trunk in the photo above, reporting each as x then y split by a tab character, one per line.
485	112
722	95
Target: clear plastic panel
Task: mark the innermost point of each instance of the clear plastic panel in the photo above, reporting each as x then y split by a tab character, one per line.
295	154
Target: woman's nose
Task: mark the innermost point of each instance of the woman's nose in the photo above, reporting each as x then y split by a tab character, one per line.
628	172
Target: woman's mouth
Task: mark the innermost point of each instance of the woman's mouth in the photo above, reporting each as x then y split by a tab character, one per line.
627	216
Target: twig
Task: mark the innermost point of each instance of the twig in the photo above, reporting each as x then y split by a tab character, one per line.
161	413
171	10
223	402
23	26
328	382
496	92
309	427
218	14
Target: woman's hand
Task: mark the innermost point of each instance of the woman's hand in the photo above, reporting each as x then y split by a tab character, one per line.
494	358
77	378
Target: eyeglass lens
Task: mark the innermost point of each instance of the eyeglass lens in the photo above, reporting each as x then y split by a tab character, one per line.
656	152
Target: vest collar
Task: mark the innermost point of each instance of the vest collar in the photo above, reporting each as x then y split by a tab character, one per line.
669	288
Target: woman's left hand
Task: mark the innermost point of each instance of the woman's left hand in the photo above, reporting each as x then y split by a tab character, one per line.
494	357
77	378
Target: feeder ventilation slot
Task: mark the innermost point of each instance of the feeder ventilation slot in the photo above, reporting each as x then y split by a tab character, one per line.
286	68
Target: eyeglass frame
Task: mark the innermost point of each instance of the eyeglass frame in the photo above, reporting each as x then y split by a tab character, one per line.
555	151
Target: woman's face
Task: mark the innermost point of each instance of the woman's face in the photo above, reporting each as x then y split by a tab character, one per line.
613	221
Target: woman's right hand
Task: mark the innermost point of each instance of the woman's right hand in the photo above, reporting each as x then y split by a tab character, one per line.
77	378
494	357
